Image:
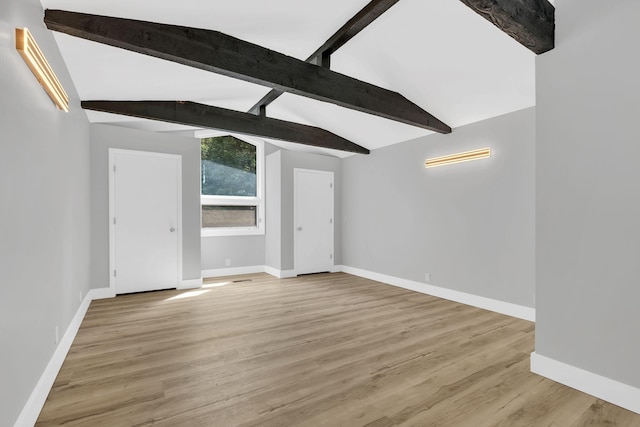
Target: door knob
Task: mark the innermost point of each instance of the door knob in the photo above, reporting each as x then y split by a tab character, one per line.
172	229
299	228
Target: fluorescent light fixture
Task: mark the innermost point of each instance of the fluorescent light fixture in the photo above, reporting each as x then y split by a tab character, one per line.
458	157
32	55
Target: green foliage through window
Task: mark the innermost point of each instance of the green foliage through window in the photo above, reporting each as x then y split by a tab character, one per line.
228	167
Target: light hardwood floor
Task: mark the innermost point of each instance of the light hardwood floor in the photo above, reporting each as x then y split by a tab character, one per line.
318	350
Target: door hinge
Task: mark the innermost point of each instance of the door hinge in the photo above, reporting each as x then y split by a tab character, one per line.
330	256
114	220
331	185
114	273
114	168
330	220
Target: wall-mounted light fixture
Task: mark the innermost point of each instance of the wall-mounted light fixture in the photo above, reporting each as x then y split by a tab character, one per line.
458	157
32	55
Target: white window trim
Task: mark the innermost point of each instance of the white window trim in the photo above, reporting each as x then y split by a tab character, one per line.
257	201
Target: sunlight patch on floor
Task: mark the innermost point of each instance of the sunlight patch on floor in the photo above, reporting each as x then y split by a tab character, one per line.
189	294
216	285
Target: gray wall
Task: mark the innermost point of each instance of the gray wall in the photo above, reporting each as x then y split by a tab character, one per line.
44	210
470	225
104	137
588	187
290	161
242	251
280	236
273	231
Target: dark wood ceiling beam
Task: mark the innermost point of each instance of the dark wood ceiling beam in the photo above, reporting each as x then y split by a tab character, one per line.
359	22
220	53
530	22
194	114
322	55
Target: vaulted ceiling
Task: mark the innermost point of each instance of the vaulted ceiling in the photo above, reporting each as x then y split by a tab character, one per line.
439	54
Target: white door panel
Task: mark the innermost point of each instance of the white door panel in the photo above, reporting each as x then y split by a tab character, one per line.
313	212
146	221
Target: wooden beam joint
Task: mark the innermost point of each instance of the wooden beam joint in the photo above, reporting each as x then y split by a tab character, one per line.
349	30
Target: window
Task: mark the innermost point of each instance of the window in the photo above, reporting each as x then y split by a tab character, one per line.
231	186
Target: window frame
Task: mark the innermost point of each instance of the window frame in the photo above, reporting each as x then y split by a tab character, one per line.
257	201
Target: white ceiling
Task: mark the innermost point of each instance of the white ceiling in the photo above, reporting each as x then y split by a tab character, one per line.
437	53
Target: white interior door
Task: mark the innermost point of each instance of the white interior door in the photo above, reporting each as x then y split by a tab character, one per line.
313	220
145	221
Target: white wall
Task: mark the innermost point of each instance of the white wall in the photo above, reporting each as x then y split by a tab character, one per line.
104	137
470	225
44	210
588	190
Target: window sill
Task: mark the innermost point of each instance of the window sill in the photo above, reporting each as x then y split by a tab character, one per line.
231	231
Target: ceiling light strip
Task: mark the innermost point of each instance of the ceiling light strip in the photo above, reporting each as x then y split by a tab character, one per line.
458	157
32	55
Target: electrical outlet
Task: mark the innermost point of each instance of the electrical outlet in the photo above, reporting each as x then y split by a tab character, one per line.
57	335
227	262
427	277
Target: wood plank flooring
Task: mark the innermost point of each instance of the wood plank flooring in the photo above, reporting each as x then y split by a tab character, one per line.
318	350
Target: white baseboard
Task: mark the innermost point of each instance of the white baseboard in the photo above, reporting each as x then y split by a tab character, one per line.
596	385
514	310
190	284
101	293
280	274
219	272
285	274
32	408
